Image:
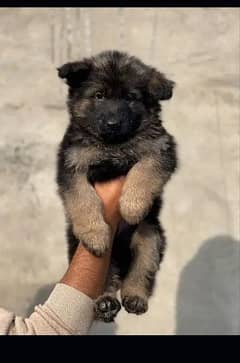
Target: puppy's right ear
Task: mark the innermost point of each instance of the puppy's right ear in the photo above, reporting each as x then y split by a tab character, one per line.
159	86
74	72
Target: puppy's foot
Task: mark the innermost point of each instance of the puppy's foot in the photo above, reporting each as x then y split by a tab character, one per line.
135	304
96	241
134	207
106	308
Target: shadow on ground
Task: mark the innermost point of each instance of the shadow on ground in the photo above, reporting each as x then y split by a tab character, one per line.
100	328
207	296
40	297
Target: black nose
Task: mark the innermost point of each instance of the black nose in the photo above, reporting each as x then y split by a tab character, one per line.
112	122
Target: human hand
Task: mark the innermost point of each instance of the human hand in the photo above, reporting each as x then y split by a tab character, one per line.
110	193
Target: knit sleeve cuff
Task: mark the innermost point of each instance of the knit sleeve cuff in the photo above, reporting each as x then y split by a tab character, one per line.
73	308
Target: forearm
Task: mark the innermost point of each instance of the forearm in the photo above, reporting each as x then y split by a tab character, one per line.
87	273
69	308
66	312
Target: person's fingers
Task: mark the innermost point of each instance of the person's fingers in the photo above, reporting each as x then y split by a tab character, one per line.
110	191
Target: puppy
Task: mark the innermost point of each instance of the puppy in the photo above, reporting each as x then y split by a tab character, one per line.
114	130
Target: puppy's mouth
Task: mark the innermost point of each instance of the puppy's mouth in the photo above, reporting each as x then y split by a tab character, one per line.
115	138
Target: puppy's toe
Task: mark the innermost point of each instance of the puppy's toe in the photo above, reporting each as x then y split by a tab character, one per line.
135	304
106	308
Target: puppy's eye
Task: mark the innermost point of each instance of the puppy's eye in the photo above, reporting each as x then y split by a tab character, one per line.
99	95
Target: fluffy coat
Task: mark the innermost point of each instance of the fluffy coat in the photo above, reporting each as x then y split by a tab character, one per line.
115	129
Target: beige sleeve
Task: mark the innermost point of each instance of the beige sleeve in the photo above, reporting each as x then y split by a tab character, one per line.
66	312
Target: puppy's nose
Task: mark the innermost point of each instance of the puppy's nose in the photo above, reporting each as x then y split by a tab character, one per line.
112	122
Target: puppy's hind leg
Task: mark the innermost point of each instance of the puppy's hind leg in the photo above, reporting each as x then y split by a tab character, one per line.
107	305
147	246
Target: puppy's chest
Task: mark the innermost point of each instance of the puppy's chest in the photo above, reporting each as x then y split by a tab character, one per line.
111	165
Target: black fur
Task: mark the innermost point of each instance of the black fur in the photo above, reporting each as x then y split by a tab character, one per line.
123	126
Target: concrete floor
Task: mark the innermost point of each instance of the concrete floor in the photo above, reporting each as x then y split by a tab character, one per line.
198	287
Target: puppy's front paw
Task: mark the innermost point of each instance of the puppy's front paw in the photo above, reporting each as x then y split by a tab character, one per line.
134	207
96	239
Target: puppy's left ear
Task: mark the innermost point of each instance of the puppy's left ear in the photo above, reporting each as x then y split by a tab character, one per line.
160	87
74	72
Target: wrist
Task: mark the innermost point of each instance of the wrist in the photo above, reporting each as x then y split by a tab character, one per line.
87	273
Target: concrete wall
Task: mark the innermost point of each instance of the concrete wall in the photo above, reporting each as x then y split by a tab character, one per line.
198	287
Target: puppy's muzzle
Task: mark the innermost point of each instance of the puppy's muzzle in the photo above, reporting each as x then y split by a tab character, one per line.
110	124
113	124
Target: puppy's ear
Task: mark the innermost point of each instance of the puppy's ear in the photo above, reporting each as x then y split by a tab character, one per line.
160	87
74	72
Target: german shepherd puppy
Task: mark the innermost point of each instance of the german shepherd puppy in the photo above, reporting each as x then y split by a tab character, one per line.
114	130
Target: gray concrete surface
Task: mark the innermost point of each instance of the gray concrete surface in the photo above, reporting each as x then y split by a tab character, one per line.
198	287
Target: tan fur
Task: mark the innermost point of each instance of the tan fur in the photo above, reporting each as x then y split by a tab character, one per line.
144	243
81	107
113	282
81	158
142	185
84	210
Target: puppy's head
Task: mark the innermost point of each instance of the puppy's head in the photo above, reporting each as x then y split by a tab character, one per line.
112	95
